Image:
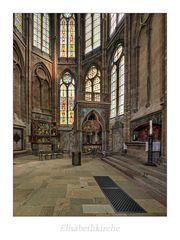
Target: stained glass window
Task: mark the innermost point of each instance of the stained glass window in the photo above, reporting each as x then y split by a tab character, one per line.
71	38
115	18
93	84
67	35
92	31
41	31
117	83
18	21
67	98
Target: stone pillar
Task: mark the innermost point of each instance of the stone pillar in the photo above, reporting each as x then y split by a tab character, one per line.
164	89
127	92
54	37
28	76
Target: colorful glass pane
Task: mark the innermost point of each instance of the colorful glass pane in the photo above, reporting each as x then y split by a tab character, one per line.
71	95
67	98
71	40
63	104
63	38
67	77
67	35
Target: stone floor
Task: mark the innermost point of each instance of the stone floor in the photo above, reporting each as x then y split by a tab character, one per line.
56	188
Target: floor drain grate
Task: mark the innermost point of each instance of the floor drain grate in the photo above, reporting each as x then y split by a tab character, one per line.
119	199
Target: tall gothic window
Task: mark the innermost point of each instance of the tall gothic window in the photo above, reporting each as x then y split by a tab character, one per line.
67	35
93	84
117	83
41	31
92	31
18	21
115	19
67	98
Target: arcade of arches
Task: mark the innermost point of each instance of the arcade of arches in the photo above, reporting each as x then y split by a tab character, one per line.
89	83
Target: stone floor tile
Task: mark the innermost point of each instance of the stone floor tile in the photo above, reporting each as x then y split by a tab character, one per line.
97	208
47	211
152	206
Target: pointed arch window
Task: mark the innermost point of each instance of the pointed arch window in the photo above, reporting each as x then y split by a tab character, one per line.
67	35
93	84
92	31
18	21
67	98
115	19
41	31
117	83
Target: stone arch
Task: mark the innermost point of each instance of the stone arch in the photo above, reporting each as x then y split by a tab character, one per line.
41	87
19	84
41	71
93	129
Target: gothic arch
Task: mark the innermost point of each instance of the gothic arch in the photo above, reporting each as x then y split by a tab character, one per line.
41	71
18	57
19	84
99	118
92	131
42	93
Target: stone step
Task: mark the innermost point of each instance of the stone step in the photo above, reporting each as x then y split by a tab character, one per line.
156	187
159	172
141	169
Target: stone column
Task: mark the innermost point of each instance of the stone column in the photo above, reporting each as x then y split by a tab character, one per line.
164	89
28	76
127	69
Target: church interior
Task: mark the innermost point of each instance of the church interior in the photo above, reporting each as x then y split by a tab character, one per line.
90	114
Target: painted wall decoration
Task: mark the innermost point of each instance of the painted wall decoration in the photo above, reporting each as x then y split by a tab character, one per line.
141	133
17	139
42	132
85	111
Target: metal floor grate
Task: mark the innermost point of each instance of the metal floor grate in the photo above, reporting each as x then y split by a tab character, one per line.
119	199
